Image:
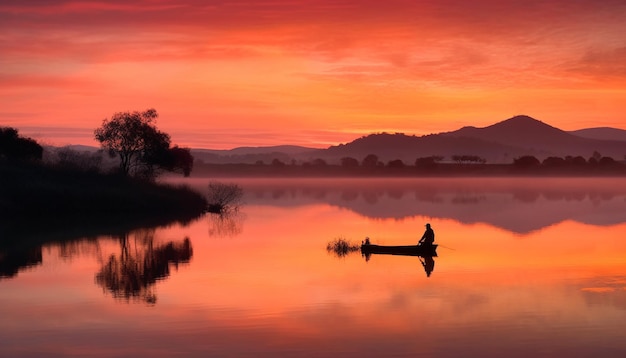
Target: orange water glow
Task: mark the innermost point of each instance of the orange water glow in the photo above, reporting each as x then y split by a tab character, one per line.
273	284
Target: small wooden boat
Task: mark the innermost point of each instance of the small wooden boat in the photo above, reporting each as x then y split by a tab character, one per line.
411	250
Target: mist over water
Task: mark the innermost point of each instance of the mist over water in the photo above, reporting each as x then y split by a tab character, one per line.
520	205
525	267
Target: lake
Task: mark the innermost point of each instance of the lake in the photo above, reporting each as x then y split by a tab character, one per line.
525	267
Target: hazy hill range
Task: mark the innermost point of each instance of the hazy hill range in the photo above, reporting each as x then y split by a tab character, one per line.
251	155
603	133
408	148
498	143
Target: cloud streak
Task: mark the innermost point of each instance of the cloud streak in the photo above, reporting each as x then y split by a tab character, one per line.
315	64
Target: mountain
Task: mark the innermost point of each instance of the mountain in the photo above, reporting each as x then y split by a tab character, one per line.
497	143
408	148
521	132
602	133
542	140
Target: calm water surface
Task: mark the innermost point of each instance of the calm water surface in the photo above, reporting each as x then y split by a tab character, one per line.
526	267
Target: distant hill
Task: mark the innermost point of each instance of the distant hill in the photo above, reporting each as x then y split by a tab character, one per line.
251	155
602	133
497	143
542	140
520	132
408	148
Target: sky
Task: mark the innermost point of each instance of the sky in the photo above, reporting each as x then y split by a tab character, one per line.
224	74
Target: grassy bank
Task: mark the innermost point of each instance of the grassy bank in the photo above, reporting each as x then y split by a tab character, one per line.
46	197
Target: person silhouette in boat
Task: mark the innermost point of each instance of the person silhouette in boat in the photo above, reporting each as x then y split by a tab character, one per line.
428	238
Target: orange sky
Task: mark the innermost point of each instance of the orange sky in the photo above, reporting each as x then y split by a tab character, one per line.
224	74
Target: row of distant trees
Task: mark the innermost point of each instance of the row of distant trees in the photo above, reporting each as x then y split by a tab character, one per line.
132	138
527	161
373	161
370	161
144	151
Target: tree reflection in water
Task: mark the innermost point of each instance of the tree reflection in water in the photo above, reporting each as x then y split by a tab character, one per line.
11	262
133	273
226	224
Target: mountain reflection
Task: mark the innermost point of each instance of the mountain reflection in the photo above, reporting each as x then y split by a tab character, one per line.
496	201
133	272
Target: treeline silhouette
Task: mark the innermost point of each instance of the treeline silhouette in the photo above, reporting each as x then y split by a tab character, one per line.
79	184
457	165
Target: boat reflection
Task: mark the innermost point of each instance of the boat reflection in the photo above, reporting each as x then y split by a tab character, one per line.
426	254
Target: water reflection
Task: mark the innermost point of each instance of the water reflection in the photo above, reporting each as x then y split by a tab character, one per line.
500	202
226	224
133	272
427	261
129	274
11	262
274	291
341	248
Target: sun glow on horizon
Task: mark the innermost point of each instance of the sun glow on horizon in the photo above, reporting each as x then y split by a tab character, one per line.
312	74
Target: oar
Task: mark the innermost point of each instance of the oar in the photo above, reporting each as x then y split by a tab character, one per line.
446	247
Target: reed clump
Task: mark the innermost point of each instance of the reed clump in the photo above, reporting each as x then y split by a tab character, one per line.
342	247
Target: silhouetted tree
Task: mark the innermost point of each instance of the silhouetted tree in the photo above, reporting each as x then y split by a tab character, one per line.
319	162
397	163
15	147
134	137
575	161
179	160
596	155
526	161
428	162
277	163
553	162
349	162
607	162
370	161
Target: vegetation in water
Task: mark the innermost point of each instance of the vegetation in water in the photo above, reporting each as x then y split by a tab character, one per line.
223	197
342	247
